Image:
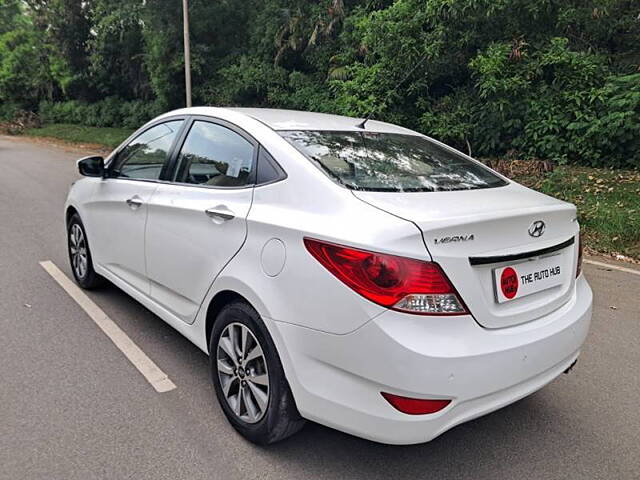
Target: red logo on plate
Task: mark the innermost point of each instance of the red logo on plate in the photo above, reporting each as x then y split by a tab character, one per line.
509	282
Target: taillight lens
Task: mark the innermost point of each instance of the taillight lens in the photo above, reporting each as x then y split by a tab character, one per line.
579	267
399	283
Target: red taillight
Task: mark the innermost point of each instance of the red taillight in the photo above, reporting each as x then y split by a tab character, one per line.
415	406
400	283
579	267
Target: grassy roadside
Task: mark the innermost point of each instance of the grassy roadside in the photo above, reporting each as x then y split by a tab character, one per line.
608	204
608	201
104	136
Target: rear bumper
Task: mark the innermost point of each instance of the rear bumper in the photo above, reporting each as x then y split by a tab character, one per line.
337	379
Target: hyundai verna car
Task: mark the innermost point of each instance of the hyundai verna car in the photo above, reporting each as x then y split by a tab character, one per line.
356	274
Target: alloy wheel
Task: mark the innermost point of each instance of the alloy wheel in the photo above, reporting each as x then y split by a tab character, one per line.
242	372
78	250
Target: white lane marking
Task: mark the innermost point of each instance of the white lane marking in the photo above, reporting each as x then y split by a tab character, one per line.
613	267
156	377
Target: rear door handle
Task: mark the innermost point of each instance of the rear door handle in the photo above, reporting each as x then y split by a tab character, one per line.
134	202
219	213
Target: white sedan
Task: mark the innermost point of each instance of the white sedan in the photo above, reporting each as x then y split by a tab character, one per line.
357	274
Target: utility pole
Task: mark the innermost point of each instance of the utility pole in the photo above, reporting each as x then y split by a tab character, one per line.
187	51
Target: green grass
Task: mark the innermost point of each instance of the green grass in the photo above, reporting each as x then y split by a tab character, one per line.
608	204
106	136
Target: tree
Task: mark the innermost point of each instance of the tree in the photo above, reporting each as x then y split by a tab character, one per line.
65	26
163	51
117	50
536	79
25	74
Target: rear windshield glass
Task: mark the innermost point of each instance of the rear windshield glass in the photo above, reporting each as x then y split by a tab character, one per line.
390	162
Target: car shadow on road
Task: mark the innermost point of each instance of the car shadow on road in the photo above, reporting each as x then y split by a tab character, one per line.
504	444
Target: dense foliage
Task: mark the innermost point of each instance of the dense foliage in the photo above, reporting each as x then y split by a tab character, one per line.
551	79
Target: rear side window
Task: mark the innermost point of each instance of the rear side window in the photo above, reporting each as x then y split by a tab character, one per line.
144	157
216	156
390	162
268	169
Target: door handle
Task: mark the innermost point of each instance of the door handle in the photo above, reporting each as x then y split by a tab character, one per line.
219	213
134	202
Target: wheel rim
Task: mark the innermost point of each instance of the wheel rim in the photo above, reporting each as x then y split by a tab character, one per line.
78	251
242	372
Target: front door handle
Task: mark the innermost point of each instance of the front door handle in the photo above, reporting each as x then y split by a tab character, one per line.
134	202
219	213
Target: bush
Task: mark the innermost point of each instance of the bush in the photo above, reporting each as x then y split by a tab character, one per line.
615	130
550	103
110	112
8	110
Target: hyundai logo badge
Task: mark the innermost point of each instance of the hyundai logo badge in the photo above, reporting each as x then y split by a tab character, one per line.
537	228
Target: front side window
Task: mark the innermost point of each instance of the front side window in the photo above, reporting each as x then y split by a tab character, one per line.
390	162
216	156
145	156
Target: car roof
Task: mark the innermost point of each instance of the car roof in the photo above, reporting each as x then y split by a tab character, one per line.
278	119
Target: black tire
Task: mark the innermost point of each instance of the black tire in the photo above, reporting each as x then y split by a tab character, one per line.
86	277
280	419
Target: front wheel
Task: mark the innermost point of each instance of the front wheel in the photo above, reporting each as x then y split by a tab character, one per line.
248	377
80	255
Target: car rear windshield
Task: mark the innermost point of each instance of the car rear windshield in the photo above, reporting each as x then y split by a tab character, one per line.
390	162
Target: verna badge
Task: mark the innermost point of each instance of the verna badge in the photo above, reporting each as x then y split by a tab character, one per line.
454	238
537	228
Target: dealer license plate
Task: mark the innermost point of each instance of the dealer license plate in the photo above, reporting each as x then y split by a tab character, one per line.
516	281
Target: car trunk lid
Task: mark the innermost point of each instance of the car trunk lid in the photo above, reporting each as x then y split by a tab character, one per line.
481	239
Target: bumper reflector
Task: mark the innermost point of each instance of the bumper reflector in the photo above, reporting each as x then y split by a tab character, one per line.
415	406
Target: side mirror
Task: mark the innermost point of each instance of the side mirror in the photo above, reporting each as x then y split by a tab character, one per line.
91	166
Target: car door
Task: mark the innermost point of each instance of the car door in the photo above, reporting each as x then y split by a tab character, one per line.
197	223
118	208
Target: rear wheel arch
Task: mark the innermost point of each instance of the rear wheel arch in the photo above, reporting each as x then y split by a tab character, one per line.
281	417
217	303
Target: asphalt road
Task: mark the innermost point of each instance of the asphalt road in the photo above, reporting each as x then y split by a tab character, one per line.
73	407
